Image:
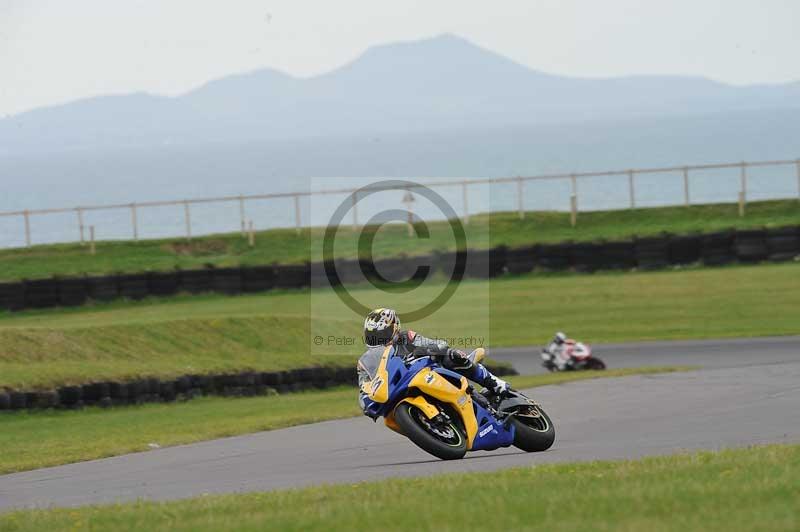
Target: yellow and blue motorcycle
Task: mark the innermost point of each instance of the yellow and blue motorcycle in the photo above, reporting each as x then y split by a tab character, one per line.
443	414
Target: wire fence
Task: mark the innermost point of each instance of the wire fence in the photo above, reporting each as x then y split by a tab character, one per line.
573	179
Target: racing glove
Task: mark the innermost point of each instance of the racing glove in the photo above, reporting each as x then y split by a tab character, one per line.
458	359
365	403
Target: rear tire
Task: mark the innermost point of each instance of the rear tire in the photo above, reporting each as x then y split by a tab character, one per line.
451	444
594	364
533	433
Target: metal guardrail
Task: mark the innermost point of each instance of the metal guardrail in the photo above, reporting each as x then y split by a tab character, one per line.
573	177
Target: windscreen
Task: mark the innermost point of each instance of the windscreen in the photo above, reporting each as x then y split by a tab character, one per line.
370	360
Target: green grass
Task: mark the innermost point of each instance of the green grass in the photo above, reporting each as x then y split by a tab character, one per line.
521	382
287	246
51	356
174	336
743	489
32	440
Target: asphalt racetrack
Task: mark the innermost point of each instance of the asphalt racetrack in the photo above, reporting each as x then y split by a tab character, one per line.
748	392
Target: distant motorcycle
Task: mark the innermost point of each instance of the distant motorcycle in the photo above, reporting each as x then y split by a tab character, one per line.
566	354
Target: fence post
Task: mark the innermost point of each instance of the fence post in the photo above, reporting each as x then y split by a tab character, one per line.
251	236
631	189
27	216
686	199
520	199
241	213
134	222
92	249
408	199
188	219
797	162
80	223
466	202
573	201
743	189
355	210
297	220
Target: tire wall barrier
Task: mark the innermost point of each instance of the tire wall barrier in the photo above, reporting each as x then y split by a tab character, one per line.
647	253
149	390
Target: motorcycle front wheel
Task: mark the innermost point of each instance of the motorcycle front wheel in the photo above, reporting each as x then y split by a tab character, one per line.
533	430
441	438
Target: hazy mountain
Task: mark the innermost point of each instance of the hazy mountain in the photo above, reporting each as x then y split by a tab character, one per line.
439	84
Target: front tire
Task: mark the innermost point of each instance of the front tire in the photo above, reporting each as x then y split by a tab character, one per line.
549	366
533	430
443	440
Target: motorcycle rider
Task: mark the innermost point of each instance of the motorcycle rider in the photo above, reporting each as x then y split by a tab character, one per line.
554	350
382	327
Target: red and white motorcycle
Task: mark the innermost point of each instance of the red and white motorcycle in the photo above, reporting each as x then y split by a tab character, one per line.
566	354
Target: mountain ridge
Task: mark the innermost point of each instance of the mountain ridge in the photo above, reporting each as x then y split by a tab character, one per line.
443	82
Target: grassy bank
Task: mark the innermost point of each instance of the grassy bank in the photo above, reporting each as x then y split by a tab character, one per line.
274	331
38	439
287	246
44	357
744	489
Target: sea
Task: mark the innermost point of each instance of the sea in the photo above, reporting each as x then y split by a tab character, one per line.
176	173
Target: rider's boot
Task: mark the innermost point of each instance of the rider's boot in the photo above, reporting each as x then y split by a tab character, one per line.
493	383
476	372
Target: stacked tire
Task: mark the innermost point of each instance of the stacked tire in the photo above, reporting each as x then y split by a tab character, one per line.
449	262
102	288
652	253
227	281
292	276
352	271
41	293
587	256
135	286
72	292
196	281
163	283
685	249
485	264
719	248
555	257
618	255
521	260
783	243
751	245
258	278
12	296
401	269
319	275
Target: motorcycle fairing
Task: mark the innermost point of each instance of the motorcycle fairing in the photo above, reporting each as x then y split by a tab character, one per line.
393	380
378	388
490	433
434	384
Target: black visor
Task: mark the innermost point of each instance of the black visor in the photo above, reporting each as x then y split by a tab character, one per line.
375	338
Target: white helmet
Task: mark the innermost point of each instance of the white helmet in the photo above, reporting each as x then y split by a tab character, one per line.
381	327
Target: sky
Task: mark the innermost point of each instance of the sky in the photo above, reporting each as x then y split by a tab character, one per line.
53	51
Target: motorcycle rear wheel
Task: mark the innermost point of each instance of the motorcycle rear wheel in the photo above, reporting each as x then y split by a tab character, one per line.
533	431
594	364
446	441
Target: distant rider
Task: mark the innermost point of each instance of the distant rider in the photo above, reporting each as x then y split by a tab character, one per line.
556	352
382	327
